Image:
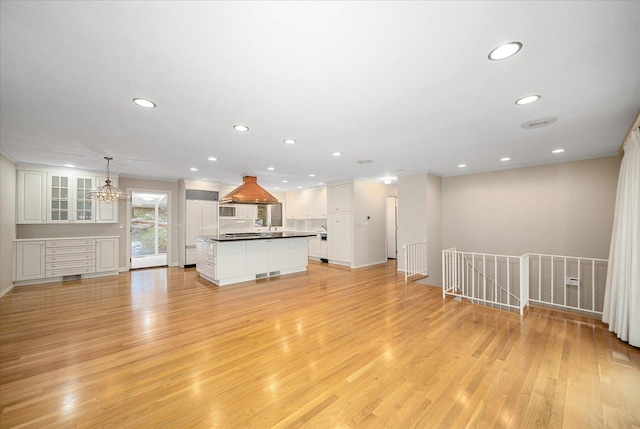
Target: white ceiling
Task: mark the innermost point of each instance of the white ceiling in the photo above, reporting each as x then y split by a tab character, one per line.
405	84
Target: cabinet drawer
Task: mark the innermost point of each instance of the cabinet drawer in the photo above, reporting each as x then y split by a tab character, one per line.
71	243
67	250
70	271
71	257
54	266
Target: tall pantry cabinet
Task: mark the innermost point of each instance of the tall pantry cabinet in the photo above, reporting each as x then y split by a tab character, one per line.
340	223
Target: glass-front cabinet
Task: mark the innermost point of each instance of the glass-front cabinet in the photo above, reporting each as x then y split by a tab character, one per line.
68	199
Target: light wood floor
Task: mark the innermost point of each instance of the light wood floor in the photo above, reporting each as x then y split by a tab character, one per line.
330	348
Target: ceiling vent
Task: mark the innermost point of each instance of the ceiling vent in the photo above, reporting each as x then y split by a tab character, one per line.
539	123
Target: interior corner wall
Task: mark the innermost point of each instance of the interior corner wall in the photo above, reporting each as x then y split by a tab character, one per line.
369	220
7	222
559	209
126	183
412	212
434	230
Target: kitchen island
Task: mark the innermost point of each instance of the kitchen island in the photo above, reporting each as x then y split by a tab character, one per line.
238	257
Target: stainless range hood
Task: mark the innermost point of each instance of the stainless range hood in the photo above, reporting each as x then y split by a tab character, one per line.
249	193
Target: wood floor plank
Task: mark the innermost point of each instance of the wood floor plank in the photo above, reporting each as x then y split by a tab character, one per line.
333	347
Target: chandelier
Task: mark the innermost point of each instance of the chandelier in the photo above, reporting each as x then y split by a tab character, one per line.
107	192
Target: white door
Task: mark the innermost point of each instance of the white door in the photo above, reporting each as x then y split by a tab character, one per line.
392	227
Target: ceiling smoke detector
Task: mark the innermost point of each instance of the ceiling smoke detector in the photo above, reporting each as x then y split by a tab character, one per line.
539	122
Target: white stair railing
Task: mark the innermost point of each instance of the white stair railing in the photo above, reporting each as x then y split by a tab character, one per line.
487	279
511	282
415	259
569	282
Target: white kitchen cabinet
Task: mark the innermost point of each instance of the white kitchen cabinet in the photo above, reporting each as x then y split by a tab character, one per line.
231	259
51	258
200	220
31	197
339	237
307	204
106	211
30	260
317	203
67	200
107	254
66	257
246	211
314	248
298	253
339	197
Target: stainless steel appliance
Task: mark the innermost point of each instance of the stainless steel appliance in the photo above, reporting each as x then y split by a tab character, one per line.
227	211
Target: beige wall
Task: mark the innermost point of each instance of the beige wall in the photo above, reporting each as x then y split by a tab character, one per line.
7	222
562	209
128	184
434	229
420	218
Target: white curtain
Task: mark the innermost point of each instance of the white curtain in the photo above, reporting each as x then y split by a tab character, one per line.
622	294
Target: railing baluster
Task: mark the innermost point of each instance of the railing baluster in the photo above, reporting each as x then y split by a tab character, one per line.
564	280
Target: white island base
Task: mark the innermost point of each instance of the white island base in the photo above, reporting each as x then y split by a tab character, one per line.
225	262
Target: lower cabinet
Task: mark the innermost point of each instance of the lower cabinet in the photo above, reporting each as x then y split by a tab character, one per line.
227	262
58	257
107	254
30	260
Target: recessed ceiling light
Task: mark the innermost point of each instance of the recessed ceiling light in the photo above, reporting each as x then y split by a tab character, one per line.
299	187
144	103
336	153
289	141
505	51
462	165
285	181
312	175
321	183
69	165
241	128
270	168
506	158
193	169
558	150
387	180
212	158
527	100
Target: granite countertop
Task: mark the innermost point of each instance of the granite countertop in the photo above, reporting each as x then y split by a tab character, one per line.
240	236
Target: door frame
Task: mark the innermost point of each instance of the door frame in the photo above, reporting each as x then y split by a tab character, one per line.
388	217
130	192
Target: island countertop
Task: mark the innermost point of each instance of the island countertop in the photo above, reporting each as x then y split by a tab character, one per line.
242	236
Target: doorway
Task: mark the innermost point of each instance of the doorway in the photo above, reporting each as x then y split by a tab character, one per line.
392	227
149	229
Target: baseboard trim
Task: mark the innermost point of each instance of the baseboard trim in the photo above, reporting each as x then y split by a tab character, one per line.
6	291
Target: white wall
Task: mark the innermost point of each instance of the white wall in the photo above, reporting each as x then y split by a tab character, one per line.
369	222
420	218
7	222
561	209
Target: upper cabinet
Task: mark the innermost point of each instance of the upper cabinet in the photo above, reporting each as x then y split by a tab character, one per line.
67	200
307	204
32	197
339	197
57	196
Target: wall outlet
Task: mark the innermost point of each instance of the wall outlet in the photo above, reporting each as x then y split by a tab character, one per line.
572	281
